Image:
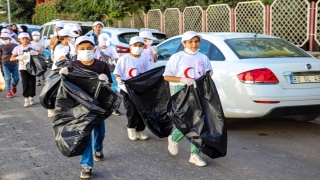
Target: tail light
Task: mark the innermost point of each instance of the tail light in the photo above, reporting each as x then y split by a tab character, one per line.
258	76
121	49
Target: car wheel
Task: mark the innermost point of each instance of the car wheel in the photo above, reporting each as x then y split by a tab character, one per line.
304	118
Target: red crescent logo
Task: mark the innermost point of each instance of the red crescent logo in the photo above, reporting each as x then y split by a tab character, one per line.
130	72
186	72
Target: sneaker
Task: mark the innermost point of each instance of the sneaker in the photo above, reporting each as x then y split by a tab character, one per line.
86	172
9	95
132	134
50	114
38	84
141	135
31	101
197	160
43	79
27	103
172	146
116	113
13	90
98	156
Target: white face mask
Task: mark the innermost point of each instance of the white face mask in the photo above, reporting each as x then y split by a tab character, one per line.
5	41
191	52
149	42
85	55
35	37
136	50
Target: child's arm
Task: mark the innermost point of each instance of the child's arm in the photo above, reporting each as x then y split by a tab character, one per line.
172	78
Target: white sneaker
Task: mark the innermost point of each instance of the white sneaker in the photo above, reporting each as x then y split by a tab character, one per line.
197	160
132	134
141	135
50	113
31	101
27	103
172	146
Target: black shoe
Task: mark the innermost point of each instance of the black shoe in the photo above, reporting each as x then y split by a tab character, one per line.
86	172
98	156
116	113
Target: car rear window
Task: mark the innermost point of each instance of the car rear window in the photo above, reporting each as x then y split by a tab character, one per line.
125	37
85	29
246	48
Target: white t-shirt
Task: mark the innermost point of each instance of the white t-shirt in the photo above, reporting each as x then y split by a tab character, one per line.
185	65
38	45
18	50
59	51
109	51
148	53
129	67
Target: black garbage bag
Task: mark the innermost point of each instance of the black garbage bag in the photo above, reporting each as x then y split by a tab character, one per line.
197	113
37	65
150	93
49	92
82	102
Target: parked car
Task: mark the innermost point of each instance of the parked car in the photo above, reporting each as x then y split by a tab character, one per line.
47	29
258	75
120	37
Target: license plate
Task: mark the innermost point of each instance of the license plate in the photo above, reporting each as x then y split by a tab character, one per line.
305	79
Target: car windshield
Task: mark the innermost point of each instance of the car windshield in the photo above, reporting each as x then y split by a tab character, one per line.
264	48
125	37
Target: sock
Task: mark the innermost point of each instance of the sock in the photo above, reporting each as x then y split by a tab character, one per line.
26	99
30	98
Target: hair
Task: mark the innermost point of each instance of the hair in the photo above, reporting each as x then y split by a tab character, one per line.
24	28
15	31
191	38
60	38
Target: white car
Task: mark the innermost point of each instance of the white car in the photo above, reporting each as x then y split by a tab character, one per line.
120	37
258	75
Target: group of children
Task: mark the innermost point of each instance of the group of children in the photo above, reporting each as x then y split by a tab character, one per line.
14	56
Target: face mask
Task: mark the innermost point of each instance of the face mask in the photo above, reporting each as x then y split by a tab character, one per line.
136	50
5	41
85	55
103	46
149	42
191	52
35	37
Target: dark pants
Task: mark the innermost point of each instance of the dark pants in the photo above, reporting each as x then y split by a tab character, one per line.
134	118
28	84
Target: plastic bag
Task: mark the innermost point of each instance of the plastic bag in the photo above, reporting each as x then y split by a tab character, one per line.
2	82
150	93
37	65
49	92
107	59
83	101
197	113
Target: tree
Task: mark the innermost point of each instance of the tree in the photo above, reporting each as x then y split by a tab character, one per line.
21	10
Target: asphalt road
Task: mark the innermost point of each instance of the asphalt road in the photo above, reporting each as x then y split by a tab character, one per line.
257	149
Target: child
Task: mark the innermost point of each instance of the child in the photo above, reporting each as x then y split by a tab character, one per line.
128	66
149	51
38	46
85	59
183	68
105	48
62	50
10	68
22	54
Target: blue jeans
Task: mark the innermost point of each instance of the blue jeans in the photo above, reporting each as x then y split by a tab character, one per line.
114	84
11	72
98	137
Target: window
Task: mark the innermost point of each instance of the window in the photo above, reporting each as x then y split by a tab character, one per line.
125	37
42	31
246	48
216	54
168	48
86	29
50	30
160	38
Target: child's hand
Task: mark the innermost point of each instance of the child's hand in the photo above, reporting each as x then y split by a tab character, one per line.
188	82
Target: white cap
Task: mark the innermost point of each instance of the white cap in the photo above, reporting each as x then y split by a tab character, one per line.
136	39
59	25
5	35
68	26
35	33
4	30
98	22
104	39
23	35
80	39
189	35
78	27
67	32
146	34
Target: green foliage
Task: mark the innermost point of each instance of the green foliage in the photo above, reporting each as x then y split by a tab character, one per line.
45	12
21	10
